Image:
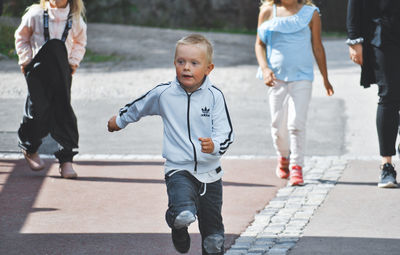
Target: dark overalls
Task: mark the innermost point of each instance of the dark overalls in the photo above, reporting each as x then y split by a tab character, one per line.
48	105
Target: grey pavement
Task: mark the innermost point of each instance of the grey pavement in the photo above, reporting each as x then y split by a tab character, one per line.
339	211
356	218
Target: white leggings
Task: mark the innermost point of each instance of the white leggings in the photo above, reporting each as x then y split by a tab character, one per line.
289	103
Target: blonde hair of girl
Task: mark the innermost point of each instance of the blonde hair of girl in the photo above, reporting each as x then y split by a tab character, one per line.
76	6
271	2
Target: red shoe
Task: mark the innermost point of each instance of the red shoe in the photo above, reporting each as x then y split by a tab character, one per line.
282	170
296	176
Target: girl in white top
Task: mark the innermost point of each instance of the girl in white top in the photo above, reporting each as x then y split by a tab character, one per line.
29	35
50	43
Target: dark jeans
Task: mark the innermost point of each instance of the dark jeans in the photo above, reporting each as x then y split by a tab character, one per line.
387	119
184	193
48	105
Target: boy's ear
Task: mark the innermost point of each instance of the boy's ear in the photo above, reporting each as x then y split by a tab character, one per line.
210	67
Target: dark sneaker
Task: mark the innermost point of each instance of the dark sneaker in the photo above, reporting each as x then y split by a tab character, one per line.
181	239
388	177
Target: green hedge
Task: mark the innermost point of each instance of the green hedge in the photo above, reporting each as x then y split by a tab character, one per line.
7	41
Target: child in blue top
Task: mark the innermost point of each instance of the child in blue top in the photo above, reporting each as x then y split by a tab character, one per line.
289	34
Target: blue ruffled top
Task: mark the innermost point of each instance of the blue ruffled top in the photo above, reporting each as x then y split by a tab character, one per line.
288	42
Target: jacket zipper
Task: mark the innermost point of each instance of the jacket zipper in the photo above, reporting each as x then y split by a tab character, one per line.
190	138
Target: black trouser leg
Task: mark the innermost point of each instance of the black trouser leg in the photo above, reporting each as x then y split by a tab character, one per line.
65	128
36	121
387	73
210	219
387	123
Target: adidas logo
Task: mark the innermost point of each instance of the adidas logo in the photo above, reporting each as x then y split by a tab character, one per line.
206	112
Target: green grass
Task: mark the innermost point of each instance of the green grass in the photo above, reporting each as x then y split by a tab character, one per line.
7	41
93	57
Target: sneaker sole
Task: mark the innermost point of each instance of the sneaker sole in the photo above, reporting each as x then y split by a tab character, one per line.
387	185
34	169
297	184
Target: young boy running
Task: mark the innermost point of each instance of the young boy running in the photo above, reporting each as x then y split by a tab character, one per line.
197	132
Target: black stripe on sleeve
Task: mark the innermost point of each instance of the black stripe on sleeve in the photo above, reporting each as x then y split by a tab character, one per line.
125	108
224	145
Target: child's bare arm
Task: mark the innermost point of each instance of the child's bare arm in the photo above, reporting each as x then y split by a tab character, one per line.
319	51
112	124
207	145
260	49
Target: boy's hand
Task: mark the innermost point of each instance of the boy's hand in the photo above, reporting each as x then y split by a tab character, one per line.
112	124
207	145
329	88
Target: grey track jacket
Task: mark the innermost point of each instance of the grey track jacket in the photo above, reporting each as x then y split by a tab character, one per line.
186	118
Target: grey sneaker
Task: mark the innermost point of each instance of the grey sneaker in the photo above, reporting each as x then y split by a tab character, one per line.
388	177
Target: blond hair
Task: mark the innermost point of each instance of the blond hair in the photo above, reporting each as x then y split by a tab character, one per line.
197	39
271	2
76	6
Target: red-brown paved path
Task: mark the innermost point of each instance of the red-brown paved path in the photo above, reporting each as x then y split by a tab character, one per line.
114	207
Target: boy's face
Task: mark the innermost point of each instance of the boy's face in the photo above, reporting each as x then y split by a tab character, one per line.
191	66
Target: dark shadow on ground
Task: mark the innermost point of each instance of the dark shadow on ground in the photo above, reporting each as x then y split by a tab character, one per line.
358	183
96	243
119	163
152	181
17	197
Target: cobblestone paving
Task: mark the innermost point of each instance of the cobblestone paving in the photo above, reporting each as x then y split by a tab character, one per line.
278	227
